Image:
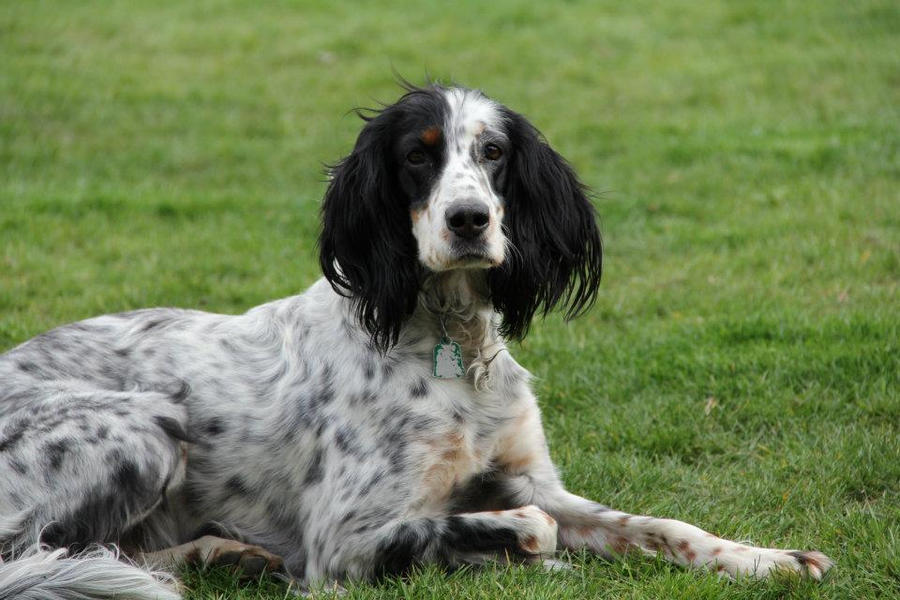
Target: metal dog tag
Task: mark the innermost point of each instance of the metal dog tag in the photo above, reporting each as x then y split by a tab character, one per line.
448	363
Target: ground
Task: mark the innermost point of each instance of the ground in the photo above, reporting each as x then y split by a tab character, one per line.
740	369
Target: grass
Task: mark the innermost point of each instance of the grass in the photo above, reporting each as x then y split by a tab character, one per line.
740	370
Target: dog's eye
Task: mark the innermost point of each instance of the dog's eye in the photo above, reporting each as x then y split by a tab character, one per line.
416	157
492	152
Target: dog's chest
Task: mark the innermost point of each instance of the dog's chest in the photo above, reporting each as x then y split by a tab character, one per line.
460	448
448	460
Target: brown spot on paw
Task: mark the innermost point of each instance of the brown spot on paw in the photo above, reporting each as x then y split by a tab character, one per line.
815	563
530	544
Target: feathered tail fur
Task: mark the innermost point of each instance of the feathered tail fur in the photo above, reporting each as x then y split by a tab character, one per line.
98	573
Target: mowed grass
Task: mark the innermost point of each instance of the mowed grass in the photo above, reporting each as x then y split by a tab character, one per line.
740	369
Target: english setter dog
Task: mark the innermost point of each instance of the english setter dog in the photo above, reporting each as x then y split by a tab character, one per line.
373	423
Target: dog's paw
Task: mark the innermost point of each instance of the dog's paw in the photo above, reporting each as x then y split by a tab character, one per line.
535	529
250	560
812	563
764	562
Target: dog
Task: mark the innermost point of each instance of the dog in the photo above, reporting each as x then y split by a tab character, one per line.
371	424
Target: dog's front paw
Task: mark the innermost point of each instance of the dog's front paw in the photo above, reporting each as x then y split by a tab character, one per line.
764	562
812	563
535	529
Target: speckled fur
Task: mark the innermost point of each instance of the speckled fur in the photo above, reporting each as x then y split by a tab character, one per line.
287	427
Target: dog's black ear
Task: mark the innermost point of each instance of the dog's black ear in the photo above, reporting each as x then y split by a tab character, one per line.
555	254
366	250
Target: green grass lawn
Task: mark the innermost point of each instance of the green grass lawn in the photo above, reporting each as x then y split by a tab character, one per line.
740	369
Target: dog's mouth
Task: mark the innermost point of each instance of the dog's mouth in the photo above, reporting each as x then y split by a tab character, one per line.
476	261
472	255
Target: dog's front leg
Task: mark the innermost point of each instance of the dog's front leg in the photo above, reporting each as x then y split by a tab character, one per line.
530	478
584	524
522	534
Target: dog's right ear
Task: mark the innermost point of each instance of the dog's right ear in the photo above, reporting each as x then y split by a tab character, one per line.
367	251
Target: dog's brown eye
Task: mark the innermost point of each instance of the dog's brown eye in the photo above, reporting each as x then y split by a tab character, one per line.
416	157
492	152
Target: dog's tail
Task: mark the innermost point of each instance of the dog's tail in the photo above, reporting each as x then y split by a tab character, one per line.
98	573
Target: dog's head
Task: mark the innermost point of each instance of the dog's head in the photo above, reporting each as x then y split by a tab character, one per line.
447	179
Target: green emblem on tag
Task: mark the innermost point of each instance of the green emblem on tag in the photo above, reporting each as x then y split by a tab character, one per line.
448	363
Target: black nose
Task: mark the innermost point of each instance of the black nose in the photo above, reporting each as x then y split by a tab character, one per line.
467	220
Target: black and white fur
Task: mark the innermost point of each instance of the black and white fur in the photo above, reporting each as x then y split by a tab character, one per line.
312	426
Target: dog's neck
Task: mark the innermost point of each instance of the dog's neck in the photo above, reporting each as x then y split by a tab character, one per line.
457	295
456	305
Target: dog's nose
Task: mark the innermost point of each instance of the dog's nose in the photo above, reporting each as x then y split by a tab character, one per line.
467	220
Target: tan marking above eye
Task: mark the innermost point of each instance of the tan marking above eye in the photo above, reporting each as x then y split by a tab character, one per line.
431	136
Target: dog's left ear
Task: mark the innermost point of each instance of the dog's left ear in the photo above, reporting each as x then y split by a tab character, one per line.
556	253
